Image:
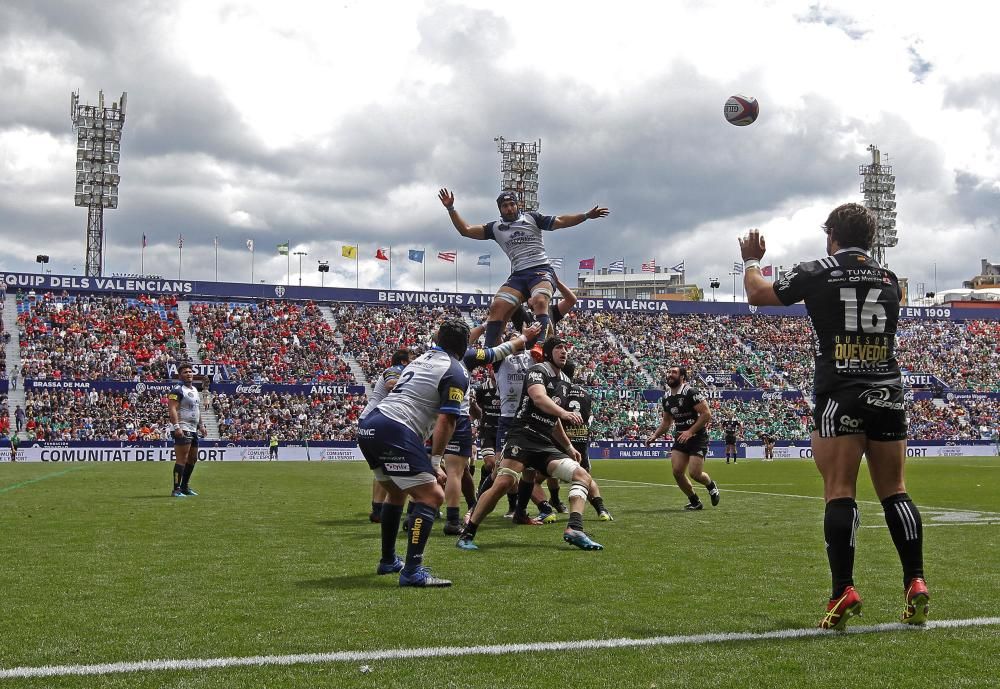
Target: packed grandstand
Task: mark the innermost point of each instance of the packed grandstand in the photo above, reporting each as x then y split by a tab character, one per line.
90	366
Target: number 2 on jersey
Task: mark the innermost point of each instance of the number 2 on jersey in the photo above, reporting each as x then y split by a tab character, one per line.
872	317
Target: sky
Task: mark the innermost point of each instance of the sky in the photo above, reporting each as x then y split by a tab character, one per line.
332	124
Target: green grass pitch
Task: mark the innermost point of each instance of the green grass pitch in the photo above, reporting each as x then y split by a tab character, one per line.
99	565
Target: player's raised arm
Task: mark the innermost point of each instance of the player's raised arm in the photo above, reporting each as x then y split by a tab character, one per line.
568	300
447	199
563	221
760	292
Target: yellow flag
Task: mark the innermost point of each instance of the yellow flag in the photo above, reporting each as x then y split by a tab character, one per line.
349	251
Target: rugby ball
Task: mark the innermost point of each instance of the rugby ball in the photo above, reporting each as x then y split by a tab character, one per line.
741	110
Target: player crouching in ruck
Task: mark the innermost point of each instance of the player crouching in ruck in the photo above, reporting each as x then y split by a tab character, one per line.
537	440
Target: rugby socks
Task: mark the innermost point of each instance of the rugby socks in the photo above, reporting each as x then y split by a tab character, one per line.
485	482
545	507
391	516
178	475
376	507
493	329
451	514
421	525
575	521
598	503
512	501
693	498
554	494
188	469
542	320
907	531
524	489
468	489
840	525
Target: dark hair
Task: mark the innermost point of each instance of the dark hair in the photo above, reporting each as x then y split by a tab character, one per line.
399	356
569	369
183	365
851	224
682	371
453	337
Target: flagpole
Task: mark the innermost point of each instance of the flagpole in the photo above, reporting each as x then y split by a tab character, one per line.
390	267
424	254
357	266
288	262
456	271
624	292
142	255
251	265
216	259
180	252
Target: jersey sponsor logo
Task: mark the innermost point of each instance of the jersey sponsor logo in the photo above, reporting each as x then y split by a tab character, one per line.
366	432
397	466
849	424
881	398
514	450
456	394
481	355
173	396
674	411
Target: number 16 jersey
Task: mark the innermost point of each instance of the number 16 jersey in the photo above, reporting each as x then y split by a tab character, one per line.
854	306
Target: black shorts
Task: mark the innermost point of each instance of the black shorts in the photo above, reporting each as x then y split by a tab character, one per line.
188	438
584	449
697	445
488	437
730	439
533	453
876	411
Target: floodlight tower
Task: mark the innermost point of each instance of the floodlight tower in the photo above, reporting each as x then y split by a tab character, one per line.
878	185
519	170
98	149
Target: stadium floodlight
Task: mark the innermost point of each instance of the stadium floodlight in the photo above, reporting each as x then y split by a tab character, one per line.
324	268
519	170
300	254
878	185
98	151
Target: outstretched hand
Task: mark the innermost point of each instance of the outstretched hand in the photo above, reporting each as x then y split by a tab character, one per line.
447	198
597	212
752	246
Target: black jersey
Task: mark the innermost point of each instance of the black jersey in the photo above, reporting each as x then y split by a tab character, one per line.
854	305
489	402
530	419
579	401
681	406
730	426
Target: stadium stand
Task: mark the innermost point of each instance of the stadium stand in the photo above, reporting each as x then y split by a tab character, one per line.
269	341
290	416
54	415
98	337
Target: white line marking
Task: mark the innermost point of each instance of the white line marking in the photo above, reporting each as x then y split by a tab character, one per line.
724	490
458	651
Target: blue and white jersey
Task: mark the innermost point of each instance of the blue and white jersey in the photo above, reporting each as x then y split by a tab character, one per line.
477	356
381	390
189	409
510	381
521	240
434	383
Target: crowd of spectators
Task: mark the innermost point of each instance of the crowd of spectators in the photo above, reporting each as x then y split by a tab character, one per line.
964	356
290	417
269	342
98	337
372	333
95	415
785	419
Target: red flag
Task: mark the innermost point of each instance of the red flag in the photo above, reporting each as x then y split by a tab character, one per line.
649	267
380	255
767	271
588	263
449	256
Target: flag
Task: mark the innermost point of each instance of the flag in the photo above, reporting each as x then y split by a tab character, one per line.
617	266
417	256
737	267
556	263
484	260
180	241
143	241
679	268
250	244
587	263
381	255
283	249
649	267
767	271
449	256
349	252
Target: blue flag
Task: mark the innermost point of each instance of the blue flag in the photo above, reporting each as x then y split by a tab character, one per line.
484	260
679	268
417	256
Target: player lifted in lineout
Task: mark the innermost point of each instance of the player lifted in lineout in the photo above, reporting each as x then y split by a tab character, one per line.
532	278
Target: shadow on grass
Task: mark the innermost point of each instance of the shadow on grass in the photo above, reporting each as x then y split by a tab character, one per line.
349	582
359	521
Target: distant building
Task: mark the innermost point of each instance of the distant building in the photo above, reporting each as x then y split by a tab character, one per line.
662	284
